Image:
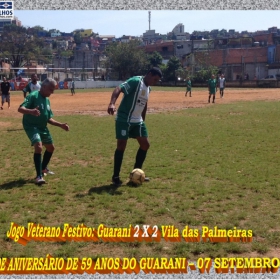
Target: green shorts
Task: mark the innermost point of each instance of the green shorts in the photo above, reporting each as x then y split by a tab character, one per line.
212	91
127	130
36	135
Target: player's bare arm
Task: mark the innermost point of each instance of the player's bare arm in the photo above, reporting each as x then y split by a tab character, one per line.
111	108
64	126
34	112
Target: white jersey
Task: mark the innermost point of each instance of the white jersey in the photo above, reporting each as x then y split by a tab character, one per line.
222	82
32	87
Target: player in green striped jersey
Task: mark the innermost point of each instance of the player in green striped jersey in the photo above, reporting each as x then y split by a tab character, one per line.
131	116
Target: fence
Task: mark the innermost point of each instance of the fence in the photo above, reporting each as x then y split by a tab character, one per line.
235	84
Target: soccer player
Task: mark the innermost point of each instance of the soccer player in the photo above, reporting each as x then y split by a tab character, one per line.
32	86
189	87
37	114
212	88
131	116
73	87
5	89
222	84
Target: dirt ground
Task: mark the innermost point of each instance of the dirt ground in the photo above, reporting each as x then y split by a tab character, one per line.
96	103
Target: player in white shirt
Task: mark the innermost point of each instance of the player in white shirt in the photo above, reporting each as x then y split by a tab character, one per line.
32	86
222	83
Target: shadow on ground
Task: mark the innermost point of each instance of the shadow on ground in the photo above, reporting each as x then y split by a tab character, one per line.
109	189
15	184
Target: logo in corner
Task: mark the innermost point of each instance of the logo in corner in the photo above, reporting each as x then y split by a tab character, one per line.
7	10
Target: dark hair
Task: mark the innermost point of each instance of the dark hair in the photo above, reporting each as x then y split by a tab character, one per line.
155	71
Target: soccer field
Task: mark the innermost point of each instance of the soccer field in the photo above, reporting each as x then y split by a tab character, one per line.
211	165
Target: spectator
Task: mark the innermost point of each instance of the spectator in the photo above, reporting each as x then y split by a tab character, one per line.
5	89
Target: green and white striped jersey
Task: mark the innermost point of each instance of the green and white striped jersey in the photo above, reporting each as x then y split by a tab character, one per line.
136	95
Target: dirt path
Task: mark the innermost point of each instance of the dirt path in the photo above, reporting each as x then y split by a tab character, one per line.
95	103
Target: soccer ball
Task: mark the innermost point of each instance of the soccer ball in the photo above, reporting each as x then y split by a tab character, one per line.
137	176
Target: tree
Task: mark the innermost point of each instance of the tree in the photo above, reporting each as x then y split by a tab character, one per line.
20	48
204	64
155	59
78	38
173	68
39	28
127	59
205	74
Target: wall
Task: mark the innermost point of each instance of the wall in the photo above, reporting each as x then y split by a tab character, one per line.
95	84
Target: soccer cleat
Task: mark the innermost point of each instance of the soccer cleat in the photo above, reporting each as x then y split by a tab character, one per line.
39	180
147	179
47	171
116	181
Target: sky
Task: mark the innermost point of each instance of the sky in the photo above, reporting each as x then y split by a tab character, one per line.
135	22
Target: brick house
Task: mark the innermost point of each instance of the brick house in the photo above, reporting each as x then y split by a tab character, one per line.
236	62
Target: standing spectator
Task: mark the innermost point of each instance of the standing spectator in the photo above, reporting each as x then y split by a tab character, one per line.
73	87
37	114
222	84
212	88
131	116
189	87
5	89
33	85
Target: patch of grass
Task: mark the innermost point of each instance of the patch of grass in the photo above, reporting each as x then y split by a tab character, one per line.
216	167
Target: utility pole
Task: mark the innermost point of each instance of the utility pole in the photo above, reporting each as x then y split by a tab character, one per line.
83	76
149	20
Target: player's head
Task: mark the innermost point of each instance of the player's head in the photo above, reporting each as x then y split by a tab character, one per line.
4	79
48	87
222	75
213	76
34	78
153	76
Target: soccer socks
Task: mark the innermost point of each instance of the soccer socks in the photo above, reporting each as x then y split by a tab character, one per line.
38	165
118	157
140	158
46	159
